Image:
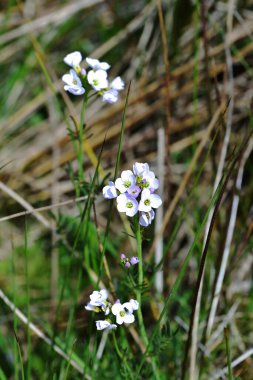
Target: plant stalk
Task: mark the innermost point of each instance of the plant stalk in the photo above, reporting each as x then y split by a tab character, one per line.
139	292
81	128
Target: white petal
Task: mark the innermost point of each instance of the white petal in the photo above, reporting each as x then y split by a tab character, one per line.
119	319
101	325
140	169
127	175
143	220
73	59
135	304
91	76
68	79
101	74
104	65
145	194
133	210
119	184
96	64
155	200
109	192
128	318
143	207
116	308
110	96
91	61
89	307
117	84
75	90
104	293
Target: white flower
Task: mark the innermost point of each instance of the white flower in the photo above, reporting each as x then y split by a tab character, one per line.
127	204
124	313
98	298
127	180
73	59
90	307
110	96
96	64
97	79
140	169
73	83
110	192
105	325
149	200
134	191
146	218
150	182
117	84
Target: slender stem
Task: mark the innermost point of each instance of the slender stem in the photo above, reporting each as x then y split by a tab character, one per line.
140	280
80	152
139	298
228	351
122	357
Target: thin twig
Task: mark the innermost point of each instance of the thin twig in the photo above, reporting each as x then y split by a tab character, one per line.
39	209
25	204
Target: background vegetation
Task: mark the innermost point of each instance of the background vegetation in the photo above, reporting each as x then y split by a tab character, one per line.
190	117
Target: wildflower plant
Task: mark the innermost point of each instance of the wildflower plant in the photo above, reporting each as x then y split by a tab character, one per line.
135	194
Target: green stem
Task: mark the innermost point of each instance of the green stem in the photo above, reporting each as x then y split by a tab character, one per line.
80	152
139	295
122	357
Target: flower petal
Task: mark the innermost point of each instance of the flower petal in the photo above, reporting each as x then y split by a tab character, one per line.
155	200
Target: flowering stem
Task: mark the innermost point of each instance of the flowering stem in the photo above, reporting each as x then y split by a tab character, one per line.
80	152
140	285
140	278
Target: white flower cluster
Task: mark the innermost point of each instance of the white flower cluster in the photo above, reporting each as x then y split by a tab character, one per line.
123	312
78	81
134	191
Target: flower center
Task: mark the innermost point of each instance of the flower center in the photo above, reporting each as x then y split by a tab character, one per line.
122	313
95	82
129	205
147	202
127	183
75	81
146	184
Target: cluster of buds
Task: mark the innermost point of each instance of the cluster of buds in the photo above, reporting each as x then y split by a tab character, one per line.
78	80
133	261
123	313
134	191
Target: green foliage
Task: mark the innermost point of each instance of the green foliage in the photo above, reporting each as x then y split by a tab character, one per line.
48	273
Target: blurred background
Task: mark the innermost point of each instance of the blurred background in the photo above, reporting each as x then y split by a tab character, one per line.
190	67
